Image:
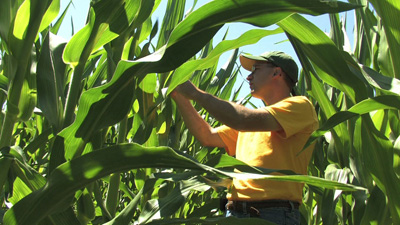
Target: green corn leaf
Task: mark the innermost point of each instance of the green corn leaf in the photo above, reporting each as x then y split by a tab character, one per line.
5	163
139	132
333	172
168	205
336	33
99	74
377	151
49	79
26	27
146	9
27	100
69	177
85	207
328	109
112	198
226	92
383	57
146	31
389	13
31	178
366	21
66	217
149	83
20	41
314	181
50	15
204	209
211	221
126	215
361	172
172	17
223	75
22	20
56	26
184	72
20	191
385	83
376	208
366	106
328	208
8	10
323	52
76	45
396	157
40	141
3	83
113	100
107	20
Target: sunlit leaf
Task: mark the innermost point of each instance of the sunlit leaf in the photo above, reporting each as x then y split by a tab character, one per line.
107	20
8	10
50	15
26	27
56	26
149	83
382	82
27	102
389	11
366	106
191	34
22	20
322	51
75	174
134	96
3	83
213	220
184	72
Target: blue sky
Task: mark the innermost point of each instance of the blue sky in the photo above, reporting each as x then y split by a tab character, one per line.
78	12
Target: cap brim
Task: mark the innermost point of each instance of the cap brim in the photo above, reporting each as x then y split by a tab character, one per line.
247	61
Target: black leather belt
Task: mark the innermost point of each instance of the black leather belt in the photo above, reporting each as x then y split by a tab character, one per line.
251	206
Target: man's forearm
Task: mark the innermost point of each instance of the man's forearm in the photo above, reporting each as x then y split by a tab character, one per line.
231	114
236	116
228	113
197	126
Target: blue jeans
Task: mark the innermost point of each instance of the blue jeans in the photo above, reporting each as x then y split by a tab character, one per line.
278	215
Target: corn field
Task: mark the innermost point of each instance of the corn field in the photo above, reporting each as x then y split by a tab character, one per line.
90	136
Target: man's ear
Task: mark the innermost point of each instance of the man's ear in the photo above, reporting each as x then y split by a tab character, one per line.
278	71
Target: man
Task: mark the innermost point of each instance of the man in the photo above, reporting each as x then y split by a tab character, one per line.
269	137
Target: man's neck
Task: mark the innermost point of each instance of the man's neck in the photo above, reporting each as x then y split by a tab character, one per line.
275	98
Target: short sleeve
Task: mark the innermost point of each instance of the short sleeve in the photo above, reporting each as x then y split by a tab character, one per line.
229	137
295	114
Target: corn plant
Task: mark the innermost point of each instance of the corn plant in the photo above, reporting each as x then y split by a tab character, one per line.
90	136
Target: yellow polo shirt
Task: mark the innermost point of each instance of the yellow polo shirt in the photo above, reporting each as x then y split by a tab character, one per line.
274	150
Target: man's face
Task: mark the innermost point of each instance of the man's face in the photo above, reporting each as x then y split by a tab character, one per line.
260	78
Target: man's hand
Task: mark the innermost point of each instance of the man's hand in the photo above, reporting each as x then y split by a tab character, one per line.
186	89
197	126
